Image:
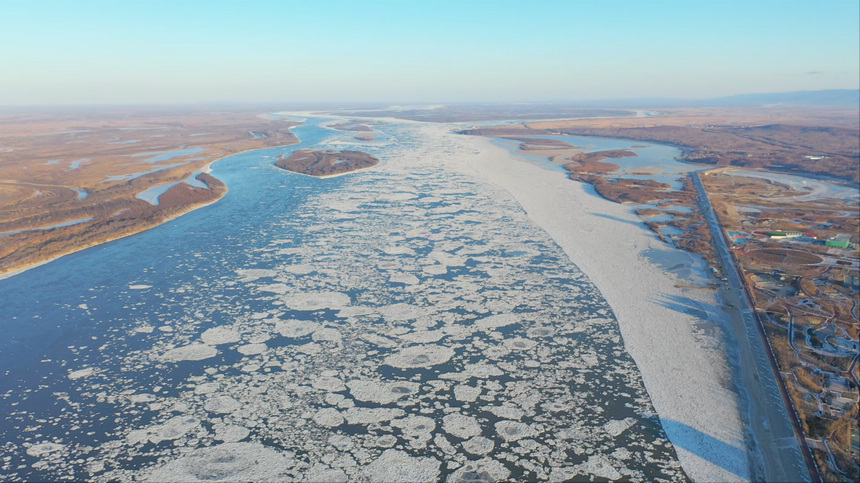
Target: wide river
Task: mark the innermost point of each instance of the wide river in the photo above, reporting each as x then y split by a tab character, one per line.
407	322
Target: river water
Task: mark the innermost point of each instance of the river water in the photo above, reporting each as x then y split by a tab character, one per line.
401	323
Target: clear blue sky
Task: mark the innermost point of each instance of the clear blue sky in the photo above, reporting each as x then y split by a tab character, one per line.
126	51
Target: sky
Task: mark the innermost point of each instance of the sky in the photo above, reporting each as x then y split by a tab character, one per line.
420	51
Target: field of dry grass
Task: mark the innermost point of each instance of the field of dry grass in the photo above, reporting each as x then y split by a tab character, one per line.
823	143
72	180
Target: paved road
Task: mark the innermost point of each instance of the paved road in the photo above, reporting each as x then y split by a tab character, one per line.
774	424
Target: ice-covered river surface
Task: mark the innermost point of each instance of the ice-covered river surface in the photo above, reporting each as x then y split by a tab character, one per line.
406	323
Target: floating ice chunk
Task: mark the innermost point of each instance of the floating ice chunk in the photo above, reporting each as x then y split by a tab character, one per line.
222	405
484	470
496	321
227	462
423	337
447	259
379	340
506	411
220	335
404	278
89	371
144	329
466	393
514	430
328	417
381	392
496	352
310	348
328	383
230	433
560	474
457	332
461	426
278	288
137	436
394	466
139	287
251	274
343	206
299	269
437	269
206	388
327	334
599	465
191	352
622	454
540	332
618	426
295	329
371	415
478	445
398	196
401	311
398	250
386	441
310	301
323	474
574	434
519	343
341	442
252	349
355	311
420	356
141	398
415	426
483	370
47	448
173	428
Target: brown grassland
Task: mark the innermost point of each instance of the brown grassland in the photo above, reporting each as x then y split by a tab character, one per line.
58	168
326	163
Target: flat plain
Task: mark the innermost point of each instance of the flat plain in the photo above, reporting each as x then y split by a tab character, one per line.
70	181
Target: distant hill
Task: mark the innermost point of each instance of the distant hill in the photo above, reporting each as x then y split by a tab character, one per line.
831	98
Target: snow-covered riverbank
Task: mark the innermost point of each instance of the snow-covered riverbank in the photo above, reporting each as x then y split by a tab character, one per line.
666	329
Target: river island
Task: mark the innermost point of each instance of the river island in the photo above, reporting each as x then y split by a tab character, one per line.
324	164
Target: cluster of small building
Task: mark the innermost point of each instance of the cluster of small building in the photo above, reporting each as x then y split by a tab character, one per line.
837	398
838	241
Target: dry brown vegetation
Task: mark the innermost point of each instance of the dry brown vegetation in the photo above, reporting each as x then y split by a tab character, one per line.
326	163
58	168
781	147
355	125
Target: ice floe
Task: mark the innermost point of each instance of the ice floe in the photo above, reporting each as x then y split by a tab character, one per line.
226	462
89	371
461	426
394	465
310	301
220	335
381	392
514	430
420	356
192	352
295	329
